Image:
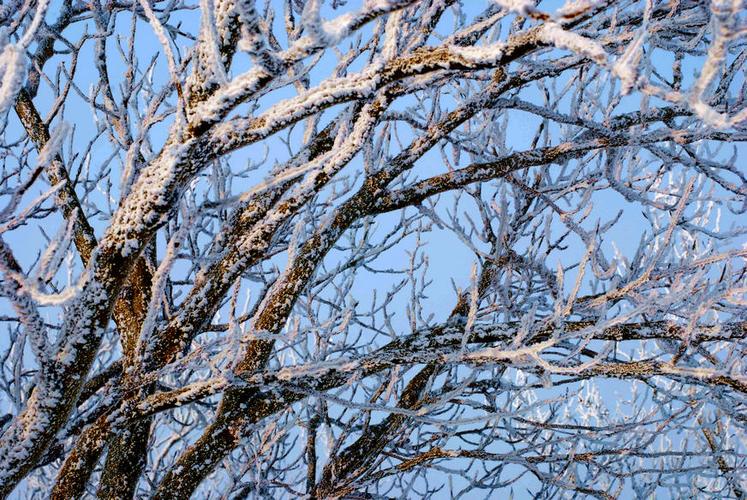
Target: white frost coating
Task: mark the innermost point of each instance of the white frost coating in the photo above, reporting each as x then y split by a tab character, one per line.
391	33
160	32
220	102
626	66
13	60
709	115
520	7
330	91
725	19
552	33
24	306
487	54
329	162
211	38
147	201
12	72
51	299
573	7
248	83
302	255
58	249
32	426
159	280
54	145
11	221
325	33
28	36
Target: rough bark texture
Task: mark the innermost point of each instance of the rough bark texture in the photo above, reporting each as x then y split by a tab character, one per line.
240	248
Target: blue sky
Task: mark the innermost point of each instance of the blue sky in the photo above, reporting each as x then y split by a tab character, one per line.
449	259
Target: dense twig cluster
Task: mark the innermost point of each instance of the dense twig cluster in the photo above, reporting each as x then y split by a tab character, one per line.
229	232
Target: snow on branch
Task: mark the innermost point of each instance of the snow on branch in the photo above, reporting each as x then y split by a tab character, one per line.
332	247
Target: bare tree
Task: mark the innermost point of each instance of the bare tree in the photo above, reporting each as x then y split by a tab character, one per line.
385	248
